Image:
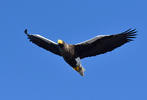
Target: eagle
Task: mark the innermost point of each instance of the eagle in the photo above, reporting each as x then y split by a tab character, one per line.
73	53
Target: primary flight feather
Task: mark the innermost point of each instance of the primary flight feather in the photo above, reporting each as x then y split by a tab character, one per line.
72	53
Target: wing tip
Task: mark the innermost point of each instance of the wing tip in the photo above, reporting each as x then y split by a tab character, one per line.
26	32
130	33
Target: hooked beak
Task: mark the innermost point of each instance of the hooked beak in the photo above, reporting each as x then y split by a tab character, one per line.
60	42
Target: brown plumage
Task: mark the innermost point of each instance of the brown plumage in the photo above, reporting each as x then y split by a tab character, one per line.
73	53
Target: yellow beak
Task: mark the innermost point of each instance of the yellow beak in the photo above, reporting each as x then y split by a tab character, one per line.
60	42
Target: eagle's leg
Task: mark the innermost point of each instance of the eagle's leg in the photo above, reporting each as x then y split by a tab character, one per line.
75	64
79	67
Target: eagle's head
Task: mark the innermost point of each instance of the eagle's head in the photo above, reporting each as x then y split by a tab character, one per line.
61	43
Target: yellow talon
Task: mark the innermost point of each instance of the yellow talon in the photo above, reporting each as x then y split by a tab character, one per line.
76	68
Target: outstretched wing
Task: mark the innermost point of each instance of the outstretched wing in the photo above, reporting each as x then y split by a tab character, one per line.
44	43
103	43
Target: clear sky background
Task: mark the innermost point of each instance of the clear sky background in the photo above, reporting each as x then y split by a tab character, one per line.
28	72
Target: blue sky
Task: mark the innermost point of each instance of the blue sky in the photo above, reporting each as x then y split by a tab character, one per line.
28	72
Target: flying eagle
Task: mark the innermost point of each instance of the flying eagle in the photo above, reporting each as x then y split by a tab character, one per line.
72	53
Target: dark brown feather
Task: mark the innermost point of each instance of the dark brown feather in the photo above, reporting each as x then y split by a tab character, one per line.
103	44
44	43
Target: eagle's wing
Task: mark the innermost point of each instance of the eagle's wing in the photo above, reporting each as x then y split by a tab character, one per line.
44	43
103	43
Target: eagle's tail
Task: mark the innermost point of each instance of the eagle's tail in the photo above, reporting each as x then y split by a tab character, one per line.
82	71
